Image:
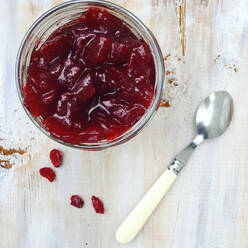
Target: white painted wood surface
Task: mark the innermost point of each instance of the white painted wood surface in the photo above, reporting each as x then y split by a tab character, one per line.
207	207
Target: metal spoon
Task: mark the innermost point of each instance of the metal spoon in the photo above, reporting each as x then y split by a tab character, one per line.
212	119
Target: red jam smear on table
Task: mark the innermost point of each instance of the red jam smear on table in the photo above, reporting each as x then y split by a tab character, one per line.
91	80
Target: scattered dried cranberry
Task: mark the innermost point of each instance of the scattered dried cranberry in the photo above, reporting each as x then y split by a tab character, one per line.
77	201
97	204
56	157
48	173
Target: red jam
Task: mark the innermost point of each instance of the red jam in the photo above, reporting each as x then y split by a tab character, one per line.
91	80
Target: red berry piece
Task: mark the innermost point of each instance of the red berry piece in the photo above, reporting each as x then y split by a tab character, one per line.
32	102
101	21
67	104
56	157
120	52
48	173
70	73
77	201
97	204
83	89
98	50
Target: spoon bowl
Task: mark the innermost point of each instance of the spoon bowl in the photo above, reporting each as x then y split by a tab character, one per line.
214	114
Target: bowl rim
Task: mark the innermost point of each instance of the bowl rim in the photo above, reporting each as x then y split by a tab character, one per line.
150	111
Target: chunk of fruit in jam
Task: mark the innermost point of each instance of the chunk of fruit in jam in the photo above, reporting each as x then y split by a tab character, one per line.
98	51
83	89
70	73
120	52
91	80
59	45
101	21
67	104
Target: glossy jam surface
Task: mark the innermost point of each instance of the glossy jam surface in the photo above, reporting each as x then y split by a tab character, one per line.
91	80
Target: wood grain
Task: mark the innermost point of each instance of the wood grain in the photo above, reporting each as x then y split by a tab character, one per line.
207	207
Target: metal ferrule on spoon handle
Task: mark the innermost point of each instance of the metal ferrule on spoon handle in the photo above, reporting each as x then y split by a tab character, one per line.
136	219
182	158
176	166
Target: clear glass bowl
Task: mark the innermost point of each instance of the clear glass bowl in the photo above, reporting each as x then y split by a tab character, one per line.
64	13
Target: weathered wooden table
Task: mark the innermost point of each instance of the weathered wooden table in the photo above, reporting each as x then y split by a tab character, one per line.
205	47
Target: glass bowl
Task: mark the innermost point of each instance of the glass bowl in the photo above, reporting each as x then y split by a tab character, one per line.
64	13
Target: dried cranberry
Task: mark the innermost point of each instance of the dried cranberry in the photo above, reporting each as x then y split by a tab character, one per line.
48	173
97	204
77	201
56	157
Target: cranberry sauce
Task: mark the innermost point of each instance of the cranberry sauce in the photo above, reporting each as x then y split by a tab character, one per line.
91	80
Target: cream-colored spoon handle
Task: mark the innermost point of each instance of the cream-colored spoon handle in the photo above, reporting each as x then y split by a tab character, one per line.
144	208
